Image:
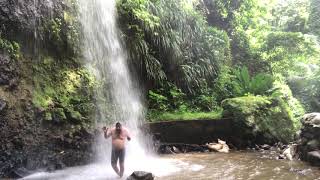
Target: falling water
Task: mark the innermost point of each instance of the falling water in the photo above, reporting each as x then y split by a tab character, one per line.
106	58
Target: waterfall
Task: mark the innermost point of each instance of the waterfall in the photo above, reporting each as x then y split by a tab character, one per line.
120	101
105	57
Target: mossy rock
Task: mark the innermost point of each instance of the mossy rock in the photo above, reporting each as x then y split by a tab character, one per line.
64	90
58	115
48	116
74	116
259	119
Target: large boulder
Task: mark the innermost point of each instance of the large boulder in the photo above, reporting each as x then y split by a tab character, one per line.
259	120
309	138
311	119
314	157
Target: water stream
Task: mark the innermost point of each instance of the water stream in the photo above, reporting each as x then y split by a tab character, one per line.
203	166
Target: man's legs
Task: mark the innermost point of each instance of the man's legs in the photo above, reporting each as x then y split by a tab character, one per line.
121	169
121	161
114	160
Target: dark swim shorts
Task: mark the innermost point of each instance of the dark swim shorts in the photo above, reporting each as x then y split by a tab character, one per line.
117	154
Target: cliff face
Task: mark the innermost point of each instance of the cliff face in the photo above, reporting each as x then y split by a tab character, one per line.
45	94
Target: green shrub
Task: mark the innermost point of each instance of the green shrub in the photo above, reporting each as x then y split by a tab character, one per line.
13	48
257	85
170	98
260	119
158	101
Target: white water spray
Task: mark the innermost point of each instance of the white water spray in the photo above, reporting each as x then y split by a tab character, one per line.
107	60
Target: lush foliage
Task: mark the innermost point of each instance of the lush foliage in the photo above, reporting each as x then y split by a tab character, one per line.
62	91
259	84
12	48
191	56
260	117
169	40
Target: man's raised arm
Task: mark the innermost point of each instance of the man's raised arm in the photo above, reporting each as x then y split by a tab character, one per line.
106	132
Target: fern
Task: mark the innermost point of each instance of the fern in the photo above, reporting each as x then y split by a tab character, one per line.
259	84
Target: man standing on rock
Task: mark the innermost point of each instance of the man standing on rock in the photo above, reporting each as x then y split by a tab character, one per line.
119	135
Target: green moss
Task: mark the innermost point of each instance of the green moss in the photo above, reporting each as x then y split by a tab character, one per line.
176	116
293	105
48	116
58	114
255	116
13	48
62	84
55	30
75	116
63	32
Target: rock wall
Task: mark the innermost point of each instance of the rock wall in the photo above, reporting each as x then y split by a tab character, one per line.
40	73
193	131
309	140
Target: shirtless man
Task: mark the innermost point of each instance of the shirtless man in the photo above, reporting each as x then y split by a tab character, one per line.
119	135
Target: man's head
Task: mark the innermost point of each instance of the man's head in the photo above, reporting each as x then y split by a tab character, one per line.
118	126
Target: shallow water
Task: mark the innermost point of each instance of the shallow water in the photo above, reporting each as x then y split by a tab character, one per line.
241	165
234	165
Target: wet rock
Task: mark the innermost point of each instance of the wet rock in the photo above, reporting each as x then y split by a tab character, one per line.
175	150
314	157
13	84
290	152
172	148
20	173
221	146
3	105
265	146
281	156
166	150
7	69
141	175
75	116
58	115
19	18
309	144
313	145
312	119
